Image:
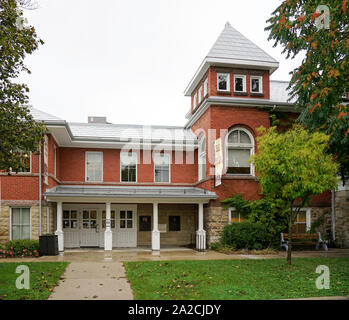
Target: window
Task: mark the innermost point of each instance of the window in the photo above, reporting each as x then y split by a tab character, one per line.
200	94
302	223
161	167
195	100
174	223
256	84
239	83
112	219
128	162
235	216
202	158
94	166
126	219
54	161
223	83
70	219
20	223
205	87
144	223
239	148
89	219
25	159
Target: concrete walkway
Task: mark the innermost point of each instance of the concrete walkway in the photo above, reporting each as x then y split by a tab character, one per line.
93	281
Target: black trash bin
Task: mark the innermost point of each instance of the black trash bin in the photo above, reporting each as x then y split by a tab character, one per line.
48	245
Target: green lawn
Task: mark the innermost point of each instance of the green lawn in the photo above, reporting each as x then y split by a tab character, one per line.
43	277
236	279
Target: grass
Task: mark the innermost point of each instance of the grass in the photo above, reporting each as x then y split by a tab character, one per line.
43	277
235	279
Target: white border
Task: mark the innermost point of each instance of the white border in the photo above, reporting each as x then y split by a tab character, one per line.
260	84
243	83
30	221
86	152
136	167
169	156
228	81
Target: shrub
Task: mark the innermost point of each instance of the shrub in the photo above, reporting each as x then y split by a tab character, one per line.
21	248
245	235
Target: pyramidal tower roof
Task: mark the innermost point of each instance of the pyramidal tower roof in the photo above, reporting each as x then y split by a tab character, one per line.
235	50
231	44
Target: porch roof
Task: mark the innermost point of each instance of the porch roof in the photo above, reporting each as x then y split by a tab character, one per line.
130	192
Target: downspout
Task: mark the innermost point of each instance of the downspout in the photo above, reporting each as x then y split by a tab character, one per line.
40	193
333	215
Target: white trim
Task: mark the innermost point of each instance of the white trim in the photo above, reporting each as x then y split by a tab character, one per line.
54	161
201	154
307	217
260	78
96	152
228	81
133	153
205	87
165	155
195	100
231	209
243	83
250	146
200	94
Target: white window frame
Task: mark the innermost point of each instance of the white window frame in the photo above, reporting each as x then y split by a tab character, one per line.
205	87
30	165
55	161
202	155
243	82
307	217
228	81
200	94
260	83
30	221
231	209
195	100
239	145
86	153
168	156
133	154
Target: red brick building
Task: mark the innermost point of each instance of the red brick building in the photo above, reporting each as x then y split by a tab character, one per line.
99	184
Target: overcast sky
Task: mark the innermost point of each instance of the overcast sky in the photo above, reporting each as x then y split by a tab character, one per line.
132	60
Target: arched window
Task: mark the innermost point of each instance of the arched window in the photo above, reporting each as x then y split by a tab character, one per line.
202	158
239	148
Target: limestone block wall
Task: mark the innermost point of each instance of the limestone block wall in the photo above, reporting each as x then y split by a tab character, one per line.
342	218
5	211
215	218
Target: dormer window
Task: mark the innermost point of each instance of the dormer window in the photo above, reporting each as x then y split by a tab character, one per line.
223	81
256	85
205	87
240	83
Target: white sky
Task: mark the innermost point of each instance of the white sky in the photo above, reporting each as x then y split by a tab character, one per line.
132	60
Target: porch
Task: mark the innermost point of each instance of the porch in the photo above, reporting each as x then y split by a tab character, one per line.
129	217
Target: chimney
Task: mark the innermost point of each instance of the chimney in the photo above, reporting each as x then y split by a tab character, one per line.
93	119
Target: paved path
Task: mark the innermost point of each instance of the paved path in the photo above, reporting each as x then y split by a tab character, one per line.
93	281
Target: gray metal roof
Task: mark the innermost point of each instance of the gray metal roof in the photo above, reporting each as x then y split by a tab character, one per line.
124	132
130	192
39	115
279	92
231	44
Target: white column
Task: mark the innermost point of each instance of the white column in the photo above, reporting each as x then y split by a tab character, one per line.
201	233
59	231
108	235
155	237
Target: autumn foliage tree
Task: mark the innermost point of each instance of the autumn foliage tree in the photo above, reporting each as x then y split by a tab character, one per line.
292	167
321	82
19	132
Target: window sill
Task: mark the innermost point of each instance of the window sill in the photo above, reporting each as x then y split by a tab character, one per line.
223	92
256	94
237	93
239	177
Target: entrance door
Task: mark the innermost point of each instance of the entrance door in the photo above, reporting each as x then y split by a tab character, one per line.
89	228
126	228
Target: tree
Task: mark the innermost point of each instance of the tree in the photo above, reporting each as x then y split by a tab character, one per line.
292	167
301	26
19	132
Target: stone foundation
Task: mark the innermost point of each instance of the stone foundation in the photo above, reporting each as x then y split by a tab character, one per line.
5	211
215	218
342	218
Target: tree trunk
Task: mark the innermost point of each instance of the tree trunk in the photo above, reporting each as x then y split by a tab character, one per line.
290	225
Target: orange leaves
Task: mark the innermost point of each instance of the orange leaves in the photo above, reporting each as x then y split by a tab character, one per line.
333	73
301	18
314	45
347	43
347	132
314	74
313	96
324	91
315	15
283	19
315	107
344	5
341	115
